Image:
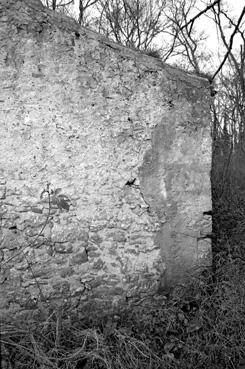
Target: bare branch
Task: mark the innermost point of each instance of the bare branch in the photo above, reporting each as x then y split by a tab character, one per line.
134	23
192	20
230	44
66	4
83	7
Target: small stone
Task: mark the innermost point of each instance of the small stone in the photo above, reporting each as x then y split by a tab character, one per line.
133	251
95	238
125	226
66	272
63	248
61	288
79	258
94	254
23	266
82	235
3	192
28	283
91	247
60	259
79	291
36	210
96	283
10	242
98	264
97	227
1	255
119	237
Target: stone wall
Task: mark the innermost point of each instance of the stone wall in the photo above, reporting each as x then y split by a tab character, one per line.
104	165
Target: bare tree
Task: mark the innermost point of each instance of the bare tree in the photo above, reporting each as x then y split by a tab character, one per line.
84	5
187	38
132	23
78	12
58	4
232	79
238	28
184	39
191	21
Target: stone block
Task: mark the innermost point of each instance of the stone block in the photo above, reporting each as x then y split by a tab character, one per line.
79	258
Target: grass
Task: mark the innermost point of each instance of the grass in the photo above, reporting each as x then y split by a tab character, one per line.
198	326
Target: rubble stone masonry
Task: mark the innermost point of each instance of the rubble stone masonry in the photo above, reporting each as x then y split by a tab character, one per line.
105	160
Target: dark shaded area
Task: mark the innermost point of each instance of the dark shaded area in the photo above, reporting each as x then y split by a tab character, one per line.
228	214
130	182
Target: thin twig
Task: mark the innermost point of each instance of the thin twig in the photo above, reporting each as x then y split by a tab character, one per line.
192	20
32	244
230	44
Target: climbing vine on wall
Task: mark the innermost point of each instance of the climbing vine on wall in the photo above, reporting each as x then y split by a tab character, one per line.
56	198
